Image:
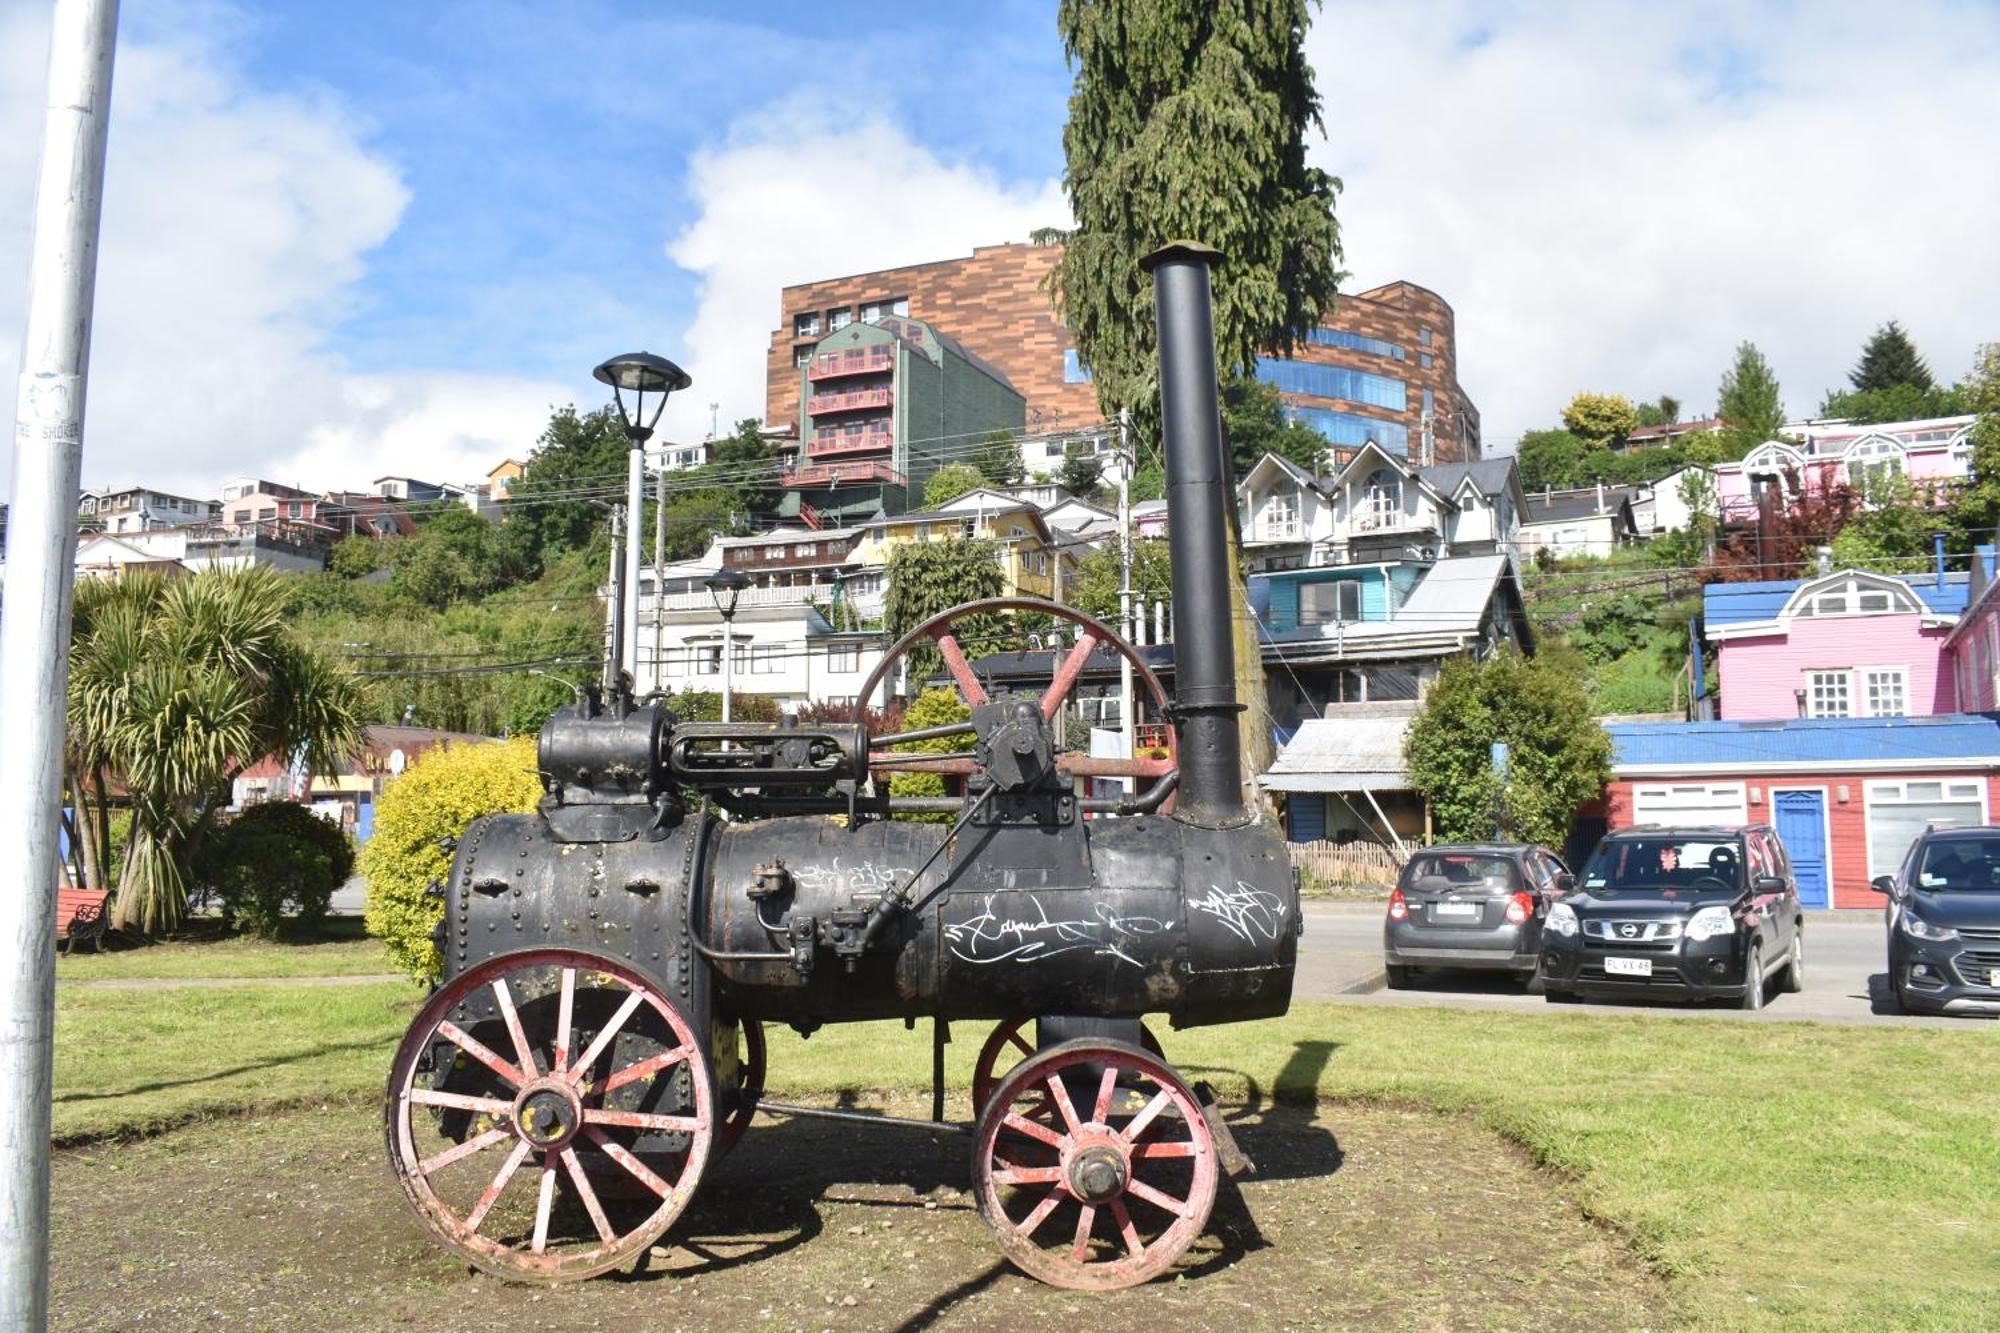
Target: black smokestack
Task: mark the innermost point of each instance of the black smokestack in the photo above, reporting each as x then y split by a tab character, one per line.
1198	493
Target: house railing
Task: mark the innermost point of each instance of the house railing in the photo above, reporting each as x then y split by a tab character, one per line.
1347	863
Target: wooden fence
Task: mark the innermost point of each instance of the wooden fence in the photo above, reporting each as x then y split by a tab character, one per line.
1347	863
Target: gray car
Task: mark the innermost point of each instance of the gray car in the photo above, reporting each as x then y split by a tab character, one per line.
1472	905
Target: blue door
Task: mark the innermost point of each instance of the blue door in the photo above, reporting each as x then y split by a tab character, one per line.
1802	828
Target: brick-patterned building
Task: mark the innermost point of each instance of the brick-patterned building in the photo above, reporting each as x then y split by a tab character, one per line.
1384	367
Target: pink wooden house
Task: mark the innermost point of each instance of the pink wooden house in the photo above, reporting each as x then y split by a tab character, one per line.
1845	644
1935	455
1974	645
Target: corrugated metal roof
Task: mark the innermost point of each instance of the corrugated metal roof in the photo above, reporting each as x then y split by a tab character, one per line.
1343	754
1749	603
1950	740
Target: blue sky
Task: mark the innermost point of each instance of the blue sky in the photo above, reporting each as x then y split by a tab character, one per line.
347	239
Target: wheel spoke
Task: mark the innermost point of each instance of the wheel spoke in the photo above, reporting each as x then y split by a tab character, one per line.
651	1065
1154	1151
1006	1173
1041	1212
1022	1125
1066	675
1063	1103
458	1101
604	1038
1141	1122
618	1153
1020	1042
493	1191
961	670
1139	1189
1133	1245
683	1124
431	1165
545	1204
507	1011
1085	1219
1105	1087
480	1051
565	1009
589	1196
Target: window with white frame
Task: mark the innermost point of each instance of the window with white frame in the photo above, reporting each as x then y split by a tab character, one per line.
1859	596
708	659
1827	694
673	662
1900	812
1886	690
844	658
1690	803
1872	460
767	659
1281	515
1383	499
806	325
839	319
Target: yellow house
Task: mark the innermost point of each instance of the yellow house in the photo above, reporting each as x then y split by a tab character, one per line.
501	478
1033	563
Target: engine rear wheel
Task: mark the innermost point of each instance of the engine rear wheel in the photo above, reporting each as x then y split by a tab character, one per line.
1010	1040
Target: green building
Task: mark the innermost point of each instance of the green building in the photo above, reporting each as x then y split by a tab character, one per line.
883	405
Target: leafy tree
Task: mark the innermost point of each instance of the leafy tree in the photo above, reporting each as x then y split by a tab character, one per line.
439	795
745	464
275	860
1559	757
1255	422
545	515
1189	120
1748	401
1081	471
1898	402
354	557
1599	418
706	706
932	576
1094	588
1649	414
1791	542
1892	535
1976	512
998	458
951	481
933	708
1890	359
1549	459
1669	408
177	686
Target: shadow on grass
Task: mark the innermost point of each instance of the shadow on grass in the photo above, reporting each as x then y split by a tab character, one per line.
204	932
215	1075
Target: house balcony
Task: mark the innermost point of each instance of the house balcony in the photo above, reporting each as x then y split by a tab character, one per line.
857	361
1375	522
842	443
803	594
852	401
1261	534
847	473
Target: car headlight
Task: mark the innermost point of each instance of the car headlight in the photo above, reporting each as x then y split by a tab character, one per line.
1918	928
1561	920
1710	922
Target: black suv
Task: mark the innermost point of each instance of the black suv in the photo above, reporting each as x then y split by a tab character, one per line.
1943	916
1679	913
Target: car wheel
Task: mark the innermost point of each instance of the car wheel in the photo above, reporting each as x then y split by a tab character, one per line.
1396	976
1892	994
1753	980
1554	996
1793	979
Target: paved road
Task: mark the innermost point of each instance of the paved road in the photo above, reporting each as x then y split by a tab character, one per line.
349	898
1340	958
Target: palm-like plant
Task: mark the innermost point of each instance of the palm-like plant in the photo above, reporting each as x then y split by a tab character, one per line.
175	687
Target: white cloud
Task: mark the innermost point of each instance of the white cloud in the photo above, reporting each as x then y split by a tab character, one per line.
1612	196
236	227
782	202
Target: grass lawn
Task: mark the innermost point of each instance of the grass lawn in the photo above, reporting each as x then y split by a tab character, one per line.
339	949
1781	1174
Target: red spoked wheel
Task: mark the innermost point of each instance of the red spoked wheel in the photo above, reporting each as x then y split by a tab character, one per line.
943	631
1112	1191
739	1102
549	1115
1010	1039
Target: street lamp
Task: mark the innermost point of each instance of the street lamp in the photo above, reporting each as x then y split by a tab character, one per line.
724	587
637	373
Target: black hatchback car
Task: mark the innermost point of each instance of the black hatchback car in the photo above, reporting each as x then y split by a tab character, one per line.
1476	905
1943	915
1679	913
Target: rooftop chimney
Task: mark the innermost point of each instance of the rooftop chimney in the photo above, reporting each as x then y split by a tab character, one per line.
1981	575
1210	749
1600	495
1825	555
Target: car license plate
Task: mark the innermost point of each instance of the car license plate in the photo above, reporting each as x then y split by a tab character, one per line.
1628	967
1994	979
1462	910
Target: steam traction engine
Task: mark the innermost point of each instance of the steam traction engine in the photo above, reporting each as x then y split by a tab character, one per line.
596	1043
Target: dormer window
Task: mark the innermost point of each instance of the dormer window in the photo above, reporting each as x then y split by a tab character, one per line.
1382	500
1856	595
1872	460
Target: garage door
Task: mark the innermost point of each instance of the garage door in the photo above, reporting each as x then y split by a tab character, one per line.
1898	812
1689	803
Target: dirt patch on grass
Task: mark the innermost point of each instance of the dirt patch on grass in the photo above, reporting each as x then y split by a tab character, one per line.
1359	1217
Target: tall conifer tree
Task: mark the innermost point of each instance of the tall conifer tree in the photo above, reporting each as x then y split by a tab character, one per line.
1749	400
1890	359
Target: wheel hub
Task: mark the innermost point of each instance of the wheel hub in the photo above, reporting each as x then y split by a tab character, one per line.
1098	1174
548	1113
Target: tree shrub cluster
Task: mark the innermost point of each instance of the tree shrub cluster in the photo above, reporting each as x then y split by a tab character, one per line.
274	861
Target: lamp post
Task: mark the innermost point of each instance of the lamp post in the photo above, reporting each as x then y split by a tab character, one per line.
725	586
637	373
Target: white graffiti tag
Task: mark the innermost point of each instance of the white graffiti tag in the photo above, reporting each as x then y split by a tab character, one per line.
1246	910
1027	935
863	878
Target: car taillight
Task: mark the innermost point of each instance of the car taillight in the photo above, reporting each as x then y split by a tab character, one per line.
1398	909
1519	908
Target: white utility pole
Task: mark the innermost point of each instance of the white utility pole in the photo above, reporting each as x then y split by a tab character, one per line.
34	638
635	510
614	650
659	570
1127	720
